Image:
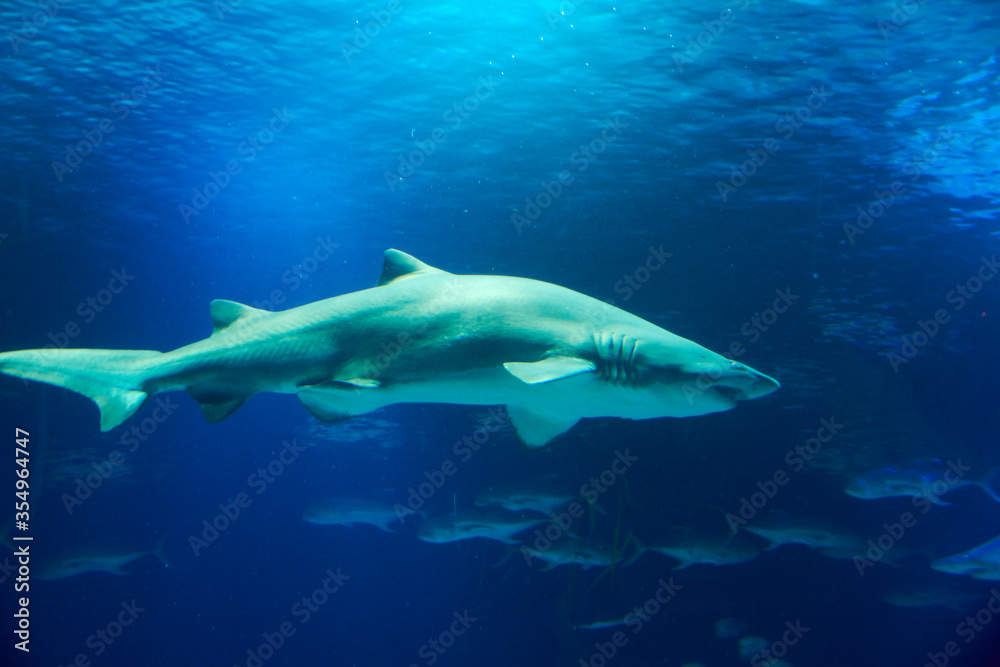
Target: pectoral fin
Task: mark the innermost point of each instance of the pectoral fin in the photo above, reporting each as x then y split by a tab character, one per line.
549	369
536	428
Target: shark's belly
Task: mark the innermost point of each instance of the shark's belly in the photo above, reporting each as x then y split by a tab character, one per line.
585	395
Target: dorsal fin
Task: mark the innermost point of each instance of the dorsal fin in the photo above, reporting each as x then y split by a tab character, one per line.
225	313
399	265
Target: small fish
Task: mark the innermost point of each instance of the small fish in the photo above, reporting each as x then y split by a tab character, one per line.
982	562
354	511
110	557
691	549
601	625
780	528
495	526
926	478
524	499
574	552
930	596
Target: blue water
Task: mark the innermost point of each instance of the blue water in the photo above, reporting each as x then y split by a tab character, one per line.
268	153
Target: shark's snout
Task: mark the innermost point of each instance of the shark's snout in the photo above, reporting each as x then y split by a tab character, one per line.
740	383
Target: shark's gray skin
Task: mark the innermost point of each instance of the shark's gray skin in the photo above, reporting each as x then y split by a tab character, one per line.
982	562
423	335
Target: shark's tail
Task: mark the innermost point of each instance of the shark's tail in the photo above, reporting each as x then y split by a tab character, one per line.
113	379
987	483
160	553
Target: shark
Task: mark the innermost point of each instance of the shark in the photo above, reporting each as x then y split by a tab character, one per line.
930	596
925	478
780	528
982	562
521	499
553	356
587	556
111	558
691	549
353	512
501	527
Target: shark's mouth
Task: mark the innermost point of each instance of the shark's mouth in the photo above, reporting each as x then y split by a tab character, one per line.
731	394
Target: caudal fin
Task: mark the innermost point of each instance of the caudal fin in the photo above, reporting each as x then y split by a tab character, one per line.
160	553
110	378
988	483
